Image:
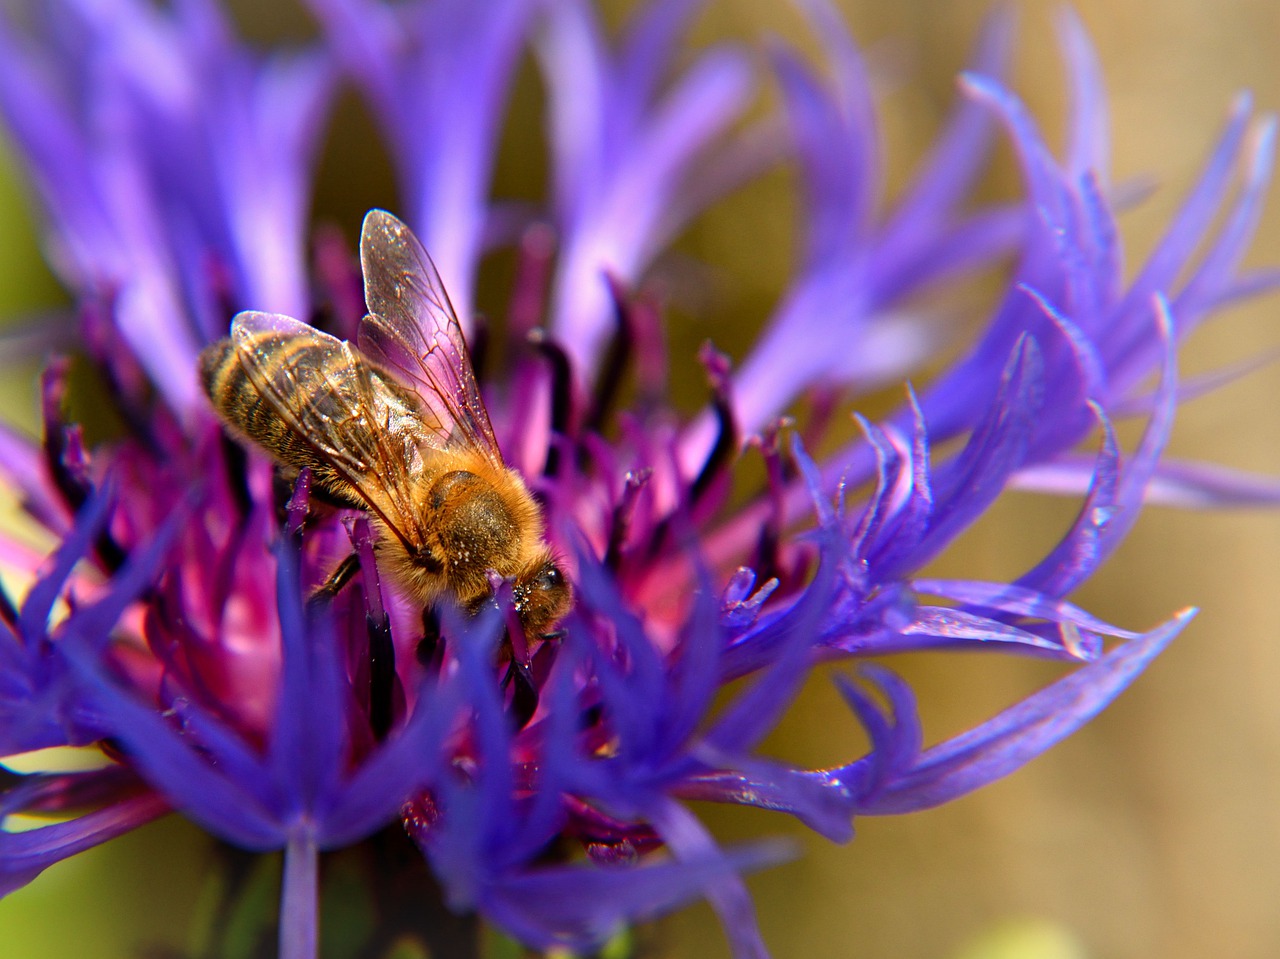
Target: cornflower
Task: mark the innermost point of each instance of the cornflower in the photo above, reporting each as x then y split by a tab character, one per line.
543	782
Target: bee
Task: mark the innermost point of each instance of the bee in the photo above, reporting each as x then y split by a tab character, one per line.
394	425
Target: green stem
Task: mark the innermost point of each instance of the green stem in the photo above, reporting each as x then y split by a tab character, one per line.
299	923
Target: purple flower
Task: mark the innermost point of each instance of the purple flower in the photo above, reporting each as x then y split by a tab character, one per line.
435	75
177	629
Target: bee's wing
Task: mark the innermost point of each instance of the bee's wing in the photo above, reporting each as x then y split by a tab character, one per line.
330	403
413	334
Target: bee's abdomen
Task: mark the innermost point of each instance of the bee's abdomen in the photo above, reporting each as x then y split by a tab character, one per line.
219	370
235	398
241	404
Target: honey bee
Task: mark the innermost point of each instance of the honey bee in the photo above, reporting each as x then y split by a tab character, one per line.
394	426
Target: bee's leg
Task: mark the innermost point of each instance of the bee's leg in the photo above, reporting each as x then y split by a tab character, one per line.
524	695
342	574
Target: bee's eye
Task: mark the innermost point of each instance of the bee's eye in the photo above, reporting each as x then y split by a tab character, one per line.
549	577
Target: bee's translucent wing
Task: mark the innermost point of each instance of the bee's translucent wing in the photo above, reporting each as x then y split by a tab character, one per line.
413	334
334	405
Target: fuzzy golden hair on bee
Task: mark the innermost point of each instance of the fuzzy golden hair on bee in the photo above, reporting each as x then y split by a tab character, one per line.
394	425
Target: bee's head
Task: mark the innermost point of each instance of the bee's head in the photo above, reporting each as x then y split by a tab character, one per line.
542	596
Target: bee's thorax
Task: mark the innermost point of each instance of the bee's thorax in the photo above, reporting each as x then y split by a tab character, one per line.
474	527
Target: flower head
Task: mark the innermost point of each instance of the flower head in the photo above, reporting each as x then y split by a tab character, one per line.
239	649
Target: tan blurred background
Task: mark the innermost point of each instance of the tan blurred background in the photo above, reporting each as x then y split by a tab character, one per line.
1154	832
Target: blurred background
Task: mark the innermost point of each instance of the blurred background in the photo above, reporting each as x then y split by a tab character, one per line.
1154	831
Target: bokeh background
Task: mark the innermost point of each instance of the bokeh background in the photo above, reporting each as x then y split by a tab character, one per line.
1154	832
